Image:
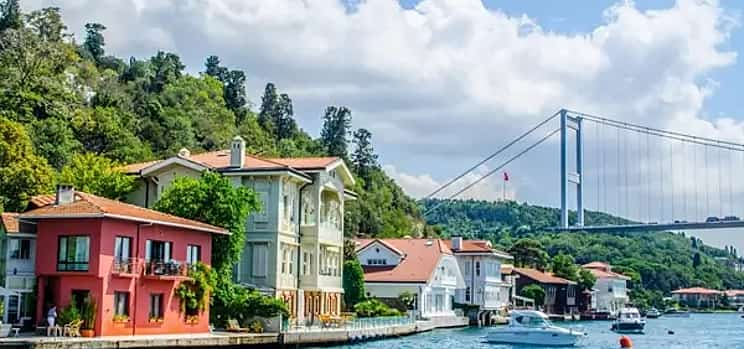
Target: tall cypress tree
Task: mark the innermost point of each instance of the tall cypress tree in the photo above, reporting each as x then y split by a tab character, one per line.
94	42
336	125
363	158
234	94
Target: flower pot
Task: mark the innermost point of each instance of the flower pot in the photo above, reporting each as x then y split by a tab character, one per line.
88	333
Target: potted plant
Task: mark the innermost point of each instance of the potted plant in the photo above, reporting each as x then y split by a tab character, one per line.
88	315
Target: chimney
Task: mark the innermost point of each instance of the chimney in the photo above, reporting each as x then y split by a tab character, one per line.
184	153
65	194
237	152
456	242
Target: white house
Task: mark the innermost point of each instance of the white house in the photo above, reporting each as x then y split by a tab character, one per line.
611	289
480	265
294	246
426	268
17	269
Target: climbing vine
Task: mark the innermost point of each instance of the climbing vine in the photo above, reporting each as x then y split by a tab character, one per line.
194	293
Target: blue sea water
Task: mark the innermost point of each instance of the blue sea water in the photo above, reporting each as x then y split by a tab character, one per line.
699	331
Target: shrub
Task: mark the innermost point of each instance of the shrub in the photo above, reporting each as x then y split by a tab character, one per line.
353	282
534	292
194	293
68	314
374	308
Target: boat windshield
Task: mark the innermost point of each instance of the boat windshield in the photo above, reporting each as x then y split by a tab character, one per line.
630	315
533	321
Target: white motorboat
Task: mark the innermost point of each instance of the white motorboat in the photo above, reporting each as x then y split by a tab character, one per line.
653	313
532	327
629	320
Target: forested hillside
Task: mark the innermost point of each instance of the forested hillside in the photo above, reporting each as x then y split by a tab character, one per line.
659	262
61	98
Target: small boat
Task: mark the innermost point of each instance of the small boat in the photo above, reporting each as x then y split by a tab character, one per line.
672	312
531	327
629	320
653	313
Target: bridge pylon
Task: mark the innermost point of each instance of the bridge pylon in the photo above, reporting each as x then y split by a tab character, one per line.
569	122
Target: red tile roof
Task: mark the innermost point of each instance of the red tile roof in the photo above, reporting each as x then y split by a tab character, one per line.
421	259
88	205
220	159
597	265
607	274
734	293
9	220
542	277
475	246
697	290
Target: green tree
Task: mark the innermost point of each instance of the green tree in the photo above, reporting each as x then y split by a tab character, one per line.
276	115
212	199
336	125
22	172
696	260
10	15
213	68
534	292
363	158
529	253
269	108
353	283
586	279
109	132
166	68
234	94
563	266
47	24
54	140
97	175
94	42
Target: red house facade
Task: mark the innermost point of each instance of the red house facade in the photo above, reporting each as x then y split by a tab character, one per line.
128	259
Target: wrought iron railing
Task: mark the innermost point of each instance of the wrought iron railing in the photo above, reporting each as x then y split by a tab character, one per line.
166	268
125	266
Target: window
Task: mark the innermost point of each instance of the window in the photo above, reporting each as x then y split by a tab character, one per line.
284	260
304	263
20	249
467	294
477	268
13	308
122	248
156	306
193	254
73	253
262	216
376	261
467	268
158	251
121	303
260	254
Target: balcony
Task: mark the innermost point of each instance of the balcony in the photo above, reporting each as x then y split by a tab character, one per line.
170	270
127	267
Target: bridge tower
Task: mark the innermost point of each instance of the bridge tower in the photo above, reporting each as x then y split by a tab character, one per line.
569	122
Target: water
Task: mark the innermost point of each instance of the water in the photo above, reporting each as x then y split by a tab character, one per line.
699	331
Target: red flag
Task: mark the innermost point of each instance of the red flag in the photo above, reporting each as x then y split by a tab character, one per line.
506	177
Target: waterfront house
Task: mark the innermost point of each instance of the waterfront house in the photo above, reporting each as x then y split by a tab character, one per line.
294	246
17	272
426	268
697	297
480	264
560	294
128	259
610	292
735	298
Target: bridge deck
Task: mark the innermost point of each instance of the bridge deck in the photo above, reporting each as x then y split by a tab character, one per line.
654	227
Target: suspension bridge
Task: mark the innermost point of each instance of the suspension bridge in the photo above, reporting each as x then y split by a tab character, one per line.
693	177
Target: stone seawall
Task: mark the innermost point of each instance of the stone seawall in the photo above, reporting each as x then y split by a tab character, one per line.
235	340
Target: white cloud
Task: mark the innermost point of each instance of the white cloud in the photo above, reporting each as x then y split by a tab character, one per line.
449	81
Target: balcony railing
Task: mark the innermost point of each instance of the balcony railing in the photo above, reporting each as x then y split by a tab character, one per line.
124	266
166	268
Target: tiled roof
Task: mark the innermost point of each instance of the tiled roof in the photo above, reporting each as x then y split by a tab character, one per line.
220	159
421	259
9	221
596	265
696	290
384	243
507	269
88	205
607	274
475	246
542	277
734	293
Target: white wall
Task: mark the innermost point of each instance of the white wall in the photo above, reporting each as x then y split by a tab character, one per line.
378	251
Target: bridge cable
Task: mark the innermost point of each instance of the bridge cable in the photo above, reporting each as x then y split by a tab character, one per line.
707	181
673	175
731	184
661	182
685	177
493	155
720	180
626	165
490	173
696	180
604	173
648	179
597	151
617	172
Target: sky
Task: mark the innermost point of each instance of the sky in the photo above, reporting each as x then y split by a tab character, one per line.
443	83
